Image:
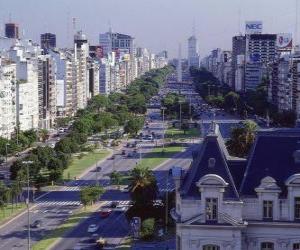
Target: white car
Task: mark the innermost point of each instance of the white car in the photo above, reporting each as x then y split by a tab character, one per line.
92	228
120	208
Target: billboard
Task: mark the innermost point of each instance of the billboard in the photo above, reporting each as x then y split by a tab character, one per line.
254	27
284	42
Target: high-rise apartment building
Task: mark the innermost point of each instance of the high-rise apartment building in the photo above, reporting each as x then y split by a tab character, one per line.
12	30
7	97
81	55
46	91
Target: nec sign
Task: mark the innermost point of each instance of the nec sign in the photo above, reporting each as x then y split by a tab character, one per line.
254	27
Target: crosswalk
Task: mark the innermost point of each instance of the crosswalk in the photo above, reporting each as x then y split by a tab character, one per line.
57	203
78	203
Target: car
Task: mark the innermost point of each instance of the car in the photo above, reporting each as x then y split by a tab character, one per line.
120	208
130	154
123	152
92	228
114	204
112	157
105	212
36	224
100	243
126	189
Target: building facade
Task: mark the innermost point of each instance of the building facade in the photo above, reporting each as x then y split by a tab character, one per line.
229	203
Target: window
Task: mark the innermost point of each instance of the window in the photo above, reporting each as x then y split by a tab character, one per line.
296	246
211	247
211	208
267	246
268	209
297	208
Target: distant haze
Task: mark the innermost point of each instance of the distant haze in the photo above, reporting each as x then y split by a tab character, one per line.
156	24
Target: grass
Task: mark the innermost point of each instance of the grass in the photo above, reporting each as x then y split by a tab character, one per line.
157	156
59	232
80	164
175	133
8	213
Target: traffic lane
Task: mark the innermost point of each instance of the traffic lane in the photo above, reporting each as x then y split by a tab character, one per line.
113	229
15	235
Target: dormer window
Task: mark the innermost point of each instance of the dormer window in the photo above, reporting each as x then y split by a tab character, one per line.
211	162
211	208
268	210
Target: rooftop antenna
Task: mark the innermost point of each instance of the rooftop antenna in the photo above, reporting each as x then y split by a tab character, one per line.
109	27
296	27
74	24
194	28
68	28
9	17
239	19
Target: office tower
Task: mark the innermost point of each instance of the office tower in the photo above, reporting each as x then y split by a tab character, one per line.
238	48
12	30
48	41
193	56
260	51
179	66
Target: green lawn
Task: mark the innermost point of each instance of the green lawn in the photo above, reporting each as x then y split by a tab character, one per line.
78	165
57	233
8	213
175	133
157	156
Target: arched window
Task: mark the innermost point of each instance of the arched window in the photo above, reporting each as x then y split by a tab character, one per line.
211	247
267	246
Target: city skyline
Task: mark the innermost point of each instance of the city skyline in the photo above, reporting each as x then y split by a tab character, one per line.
95	17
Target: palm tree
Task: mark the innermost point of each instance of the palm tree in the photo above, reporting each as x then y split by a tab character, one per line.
242	139
143	187
44	134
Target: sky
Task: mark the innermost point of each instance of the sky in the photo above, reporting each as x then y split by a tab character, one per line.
156	24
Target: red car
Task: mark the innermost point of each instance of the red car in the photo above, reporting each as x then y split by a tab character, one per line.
105	212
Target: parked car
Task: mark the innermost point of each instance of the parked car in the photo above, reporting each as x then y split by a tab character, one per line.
92	228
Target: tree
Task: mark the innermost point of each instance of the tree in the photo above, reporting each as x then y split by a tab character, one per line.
89	195
67	145
98	102
134	125
231	101
143	186
242	139
116	178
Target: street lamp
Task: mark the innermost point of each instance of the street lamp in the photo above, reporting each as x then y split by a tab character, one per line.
163	120
27	163
6	145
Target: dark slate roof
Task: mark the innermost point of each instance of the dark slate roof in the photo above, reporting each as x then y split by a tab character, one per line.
212	147
271	155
